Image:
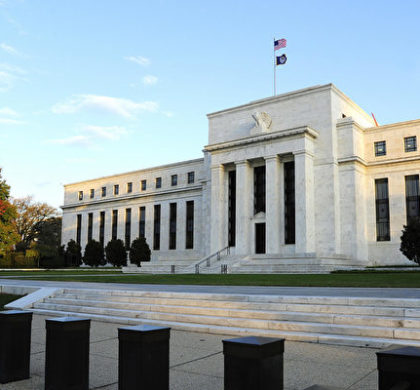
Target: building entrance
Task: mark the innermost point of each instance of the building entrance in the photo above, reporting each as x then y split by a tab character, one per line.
260	238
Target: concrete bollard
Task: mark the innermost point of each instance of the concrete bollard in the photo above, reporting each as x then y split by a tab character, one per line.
253	363
67	354
143	361
15	345
399	368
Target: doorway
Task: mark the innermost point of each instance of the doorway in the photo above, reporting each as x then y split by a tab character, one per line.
260	238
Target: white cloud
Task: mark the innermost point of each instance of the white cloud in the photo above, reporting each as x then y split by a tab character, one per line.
143	61
8	111
6	80
123	107
10	49
12	69
106	132
77	140
8	121
150	80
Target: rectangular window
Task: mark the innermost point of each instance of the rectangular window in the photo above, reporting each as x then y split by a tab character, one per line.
289	202
259	189
232	208
103	191
90	227
80	195
142	221
172	226
102	228
382	210
191	177
380	148
127	228
189	236
410	144
260	238
92	193
143	185
116	189
79	228
412	199
174	180
114	224
129	187
156	227
158	182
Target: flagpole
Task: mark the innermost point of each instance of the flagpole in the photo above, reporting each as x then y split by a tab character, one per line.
274	65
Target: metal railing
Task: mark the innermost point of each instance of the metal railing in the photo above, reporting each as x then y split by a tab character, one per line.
208	259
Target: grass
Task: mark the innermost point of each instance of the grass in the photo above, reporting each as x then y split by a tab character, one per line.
354	279
89	271
6	298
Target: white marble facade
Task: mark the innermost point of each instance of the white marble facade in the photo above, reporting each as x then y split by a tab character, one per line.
329	141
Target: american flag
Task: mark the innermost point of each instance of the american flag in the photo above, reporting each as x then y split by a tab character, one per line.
280	43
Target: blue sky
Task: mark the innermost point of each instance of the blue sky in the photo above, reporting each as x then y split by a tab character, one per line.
93	88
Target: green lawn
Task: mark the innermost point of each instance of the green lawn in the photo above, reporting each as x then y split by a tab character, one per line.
361	279
107	271
6	298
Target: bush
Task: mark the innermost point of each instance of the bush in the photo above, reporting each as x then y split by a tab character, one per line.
139	251
94	254
115	253
73	254
410	241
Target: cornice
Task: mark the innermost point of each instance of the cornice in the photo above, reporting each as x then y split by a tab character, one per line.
140	171
130	197
262	138
359	160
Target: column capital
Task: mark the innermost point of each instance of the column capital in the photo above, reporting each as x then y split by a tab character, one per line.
242	162
217	167
272	158
303	152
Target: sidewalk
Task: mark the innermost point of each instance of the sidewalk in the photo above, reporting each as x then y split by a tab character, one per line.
196	361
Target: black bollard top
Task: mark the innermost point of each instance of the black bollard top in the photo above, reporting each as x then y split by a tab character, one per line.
15	315
253	347
144	333
14	312
412	352
67	323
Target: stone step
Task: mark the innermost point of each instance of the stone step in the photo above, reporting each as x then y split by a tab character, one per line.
266	299
235	331
260	313
311	327
238	305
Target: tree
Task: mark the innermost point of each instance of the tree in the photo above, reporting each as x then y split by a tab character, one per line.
29	216
94	254
48	239
410	241
139	251
8	233
73	254
115	253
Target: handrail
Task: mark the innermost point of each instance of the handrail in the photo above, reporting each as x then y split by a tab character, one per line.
207	259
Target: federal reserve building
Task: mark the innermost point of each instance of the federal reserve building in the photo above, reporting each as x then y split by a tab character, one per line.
305	181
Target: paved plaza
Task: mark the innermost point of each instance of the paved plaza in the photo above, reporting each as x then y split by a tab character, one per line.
196	361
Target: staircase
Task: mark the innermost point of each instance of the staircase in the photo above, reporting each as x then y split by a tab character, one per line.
372	322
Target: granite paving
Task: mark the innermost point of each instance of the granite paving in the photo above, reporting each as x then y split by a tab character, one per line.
196	361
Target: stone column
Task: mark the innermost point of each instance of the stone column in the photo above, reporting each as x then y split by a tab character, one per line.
135	222
181	216
304	203
244	207
274	204
218	241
